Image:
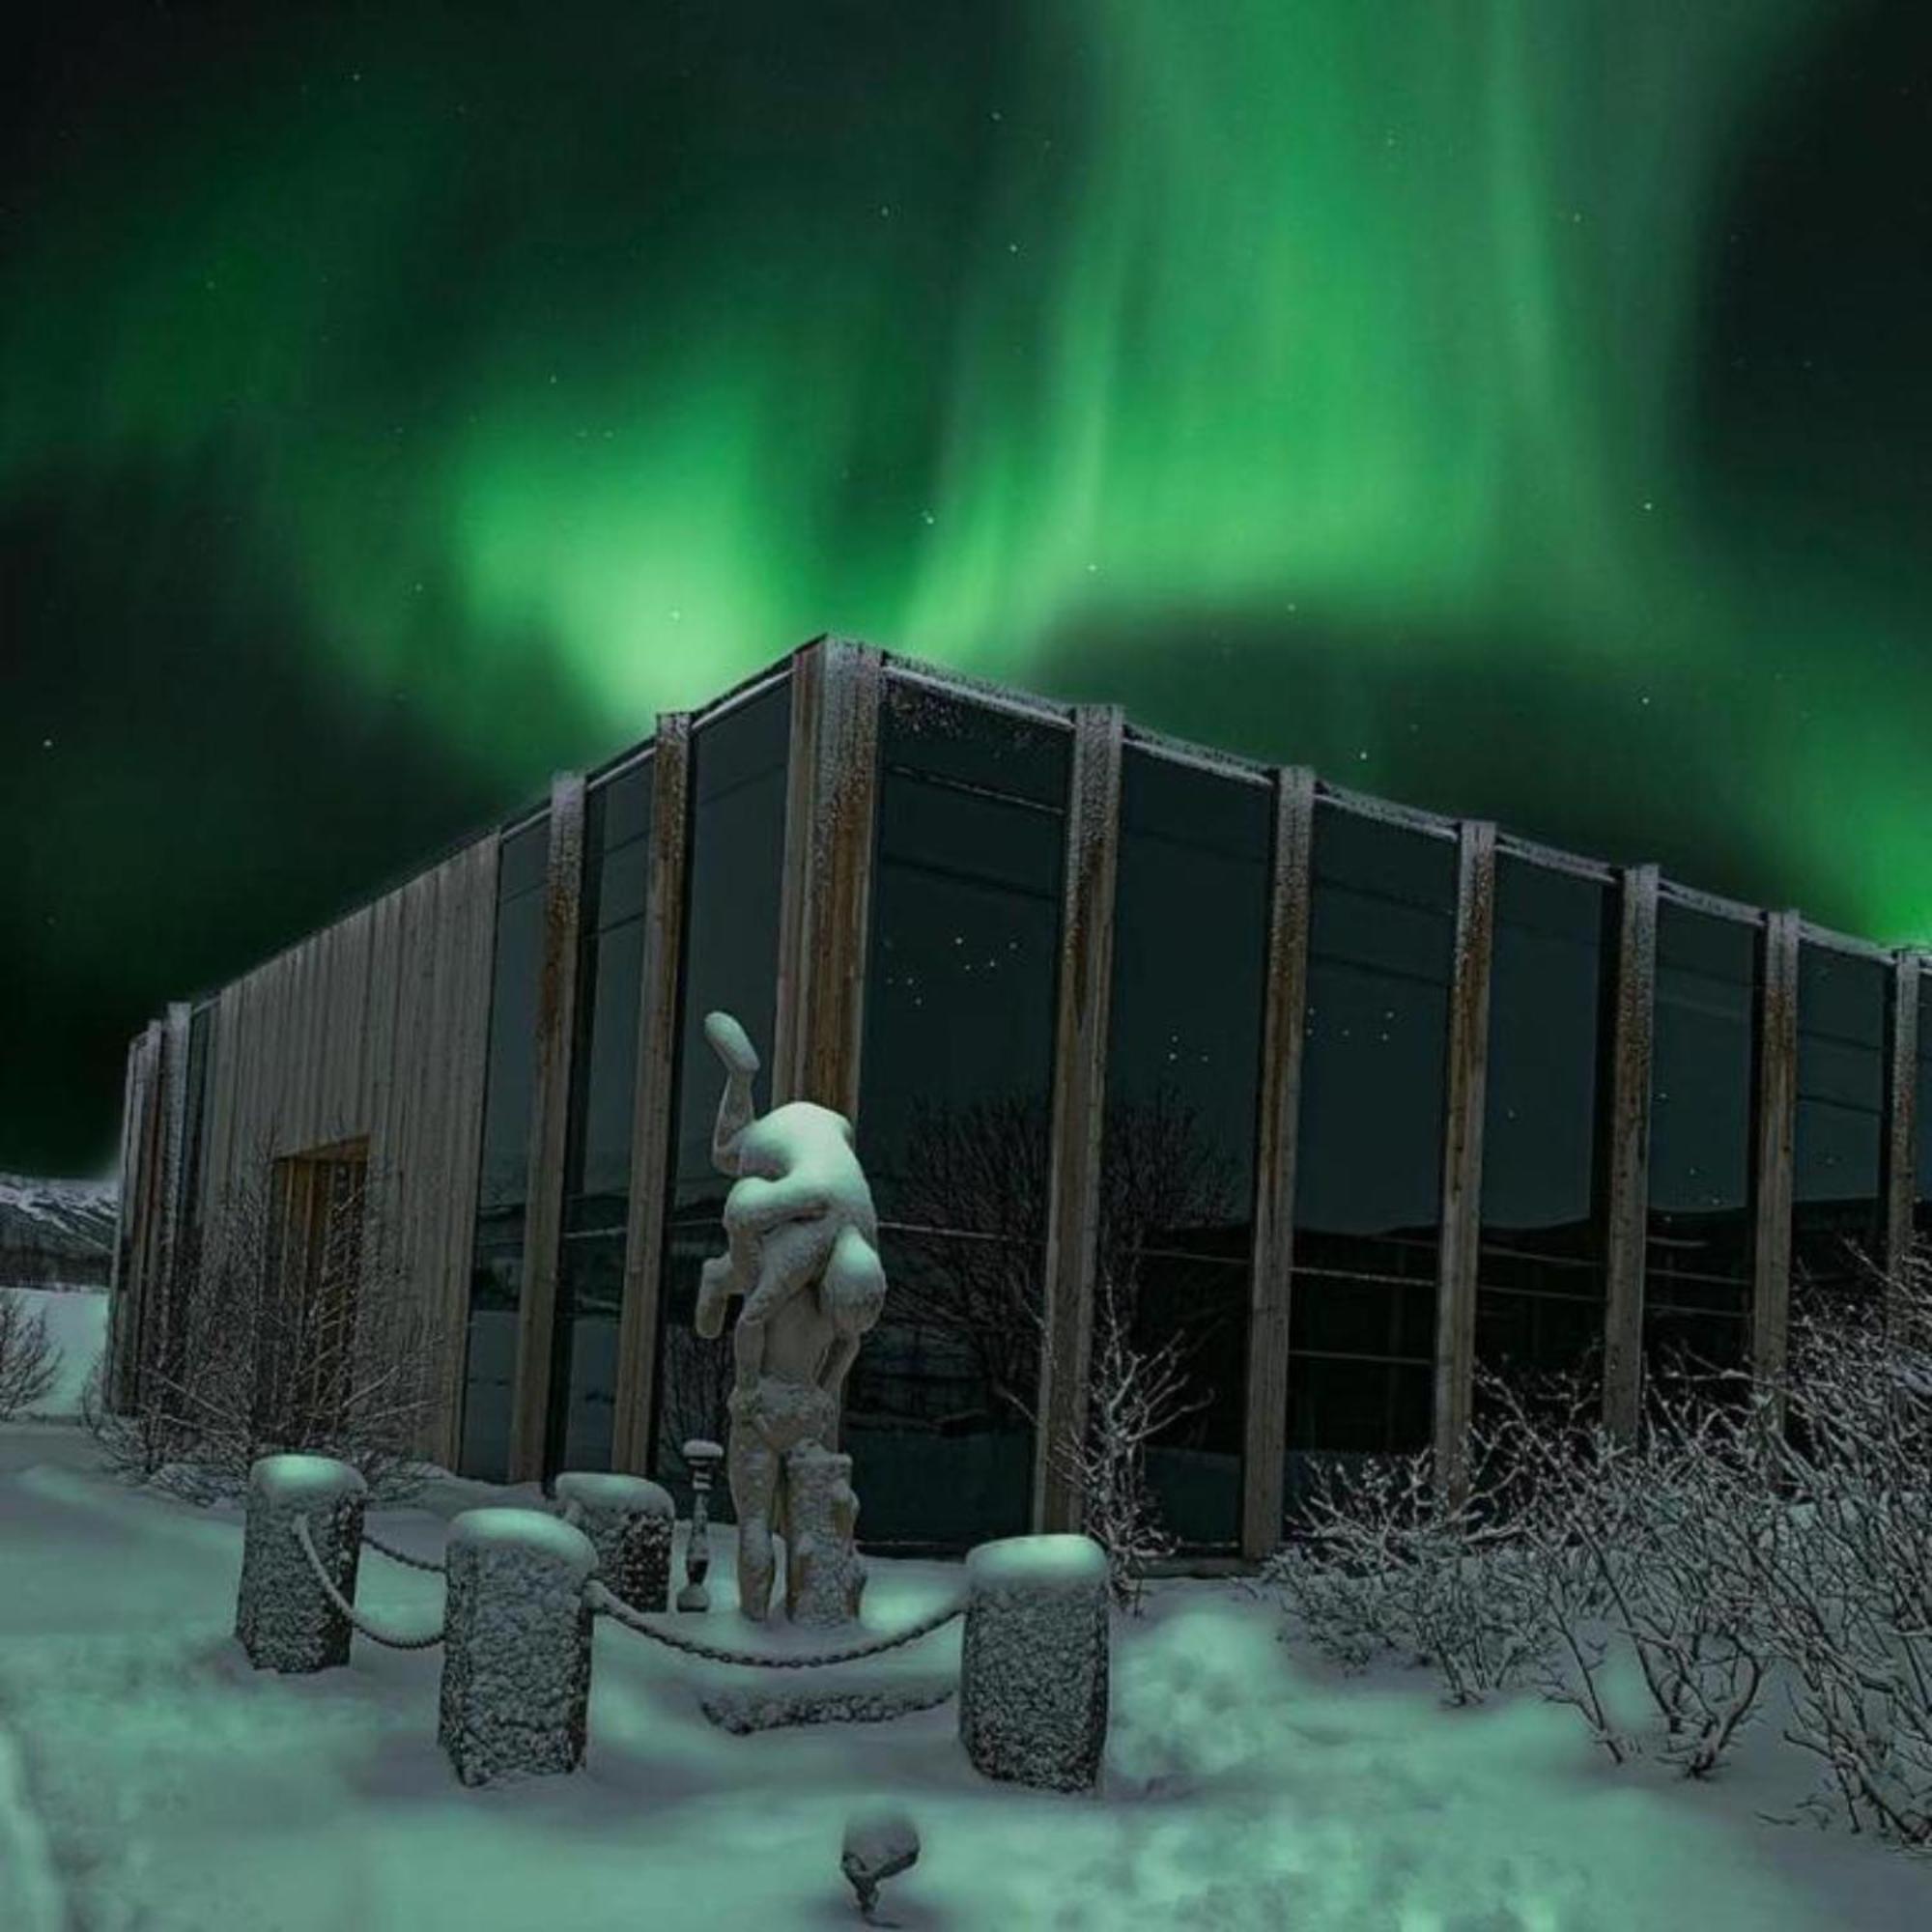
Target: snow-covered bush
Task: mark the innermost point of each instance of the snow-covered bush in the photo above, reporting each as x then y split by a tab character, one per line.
30	1360
255	1359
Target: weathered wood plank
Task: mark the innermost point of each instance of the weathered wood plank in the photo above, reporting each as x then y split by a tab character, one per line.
1079	1091
1628	1208
651	1113
1463	1153
808	697
550	1121
1284	1002
1776	1130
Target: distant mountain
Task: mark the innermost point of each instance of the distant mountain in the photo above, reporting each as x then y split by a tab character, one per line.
56	1232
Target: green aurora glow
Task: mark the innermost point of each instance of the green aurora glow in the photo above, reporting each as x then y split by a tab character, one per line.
1060	345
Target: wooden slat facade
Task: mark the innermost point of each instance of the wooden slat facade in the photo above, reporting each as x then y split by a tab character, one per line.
1079	1093
374	1026
650	1113
1284	1009
1463	1151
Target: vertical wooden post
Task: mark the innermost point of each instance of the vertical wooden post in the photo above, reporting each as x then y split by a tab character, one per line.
1271	1267
1627	1209
1777	1119
651	1098
1902	1125
1079	1091
1463	1151
162	1301
550	1123
124	1312
832	798
149	1206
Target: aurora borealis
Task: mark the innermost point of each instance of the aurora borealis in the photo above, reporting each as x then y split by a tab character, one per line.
1517	406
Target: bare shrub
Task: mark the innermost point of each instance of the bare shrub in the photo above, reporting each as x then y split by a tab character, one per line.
30	1359
1846	1574
282	1331
985	1168
1387	1561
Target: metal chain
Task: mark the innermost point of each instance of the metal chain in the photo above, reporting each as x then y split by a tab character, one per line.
347	1609
402	1556
605	1603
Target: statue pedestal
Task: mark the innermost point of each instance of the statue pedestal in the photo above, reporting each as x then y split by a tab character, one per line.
824	1575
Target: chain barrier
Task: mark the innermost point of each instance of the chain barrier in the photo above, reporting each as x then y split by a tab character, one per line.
606	1604
401	1555
388	1639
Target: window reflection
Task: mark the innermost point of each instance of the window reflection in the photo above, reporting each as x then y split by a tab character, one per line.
1183	1063
1369	1153
956	1079
496	1259
1540	1262
1839	1131
736	870
1698	1253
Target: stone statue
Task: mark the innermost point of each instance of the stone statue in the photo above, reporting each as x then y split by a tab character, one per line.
801	1250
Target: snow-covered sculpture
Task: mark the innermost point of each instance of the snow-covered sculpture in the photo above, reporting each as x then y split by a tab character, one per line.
801	1250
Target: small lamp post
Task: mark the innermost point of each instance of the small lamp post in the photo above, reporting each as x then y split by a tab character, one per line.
703	1458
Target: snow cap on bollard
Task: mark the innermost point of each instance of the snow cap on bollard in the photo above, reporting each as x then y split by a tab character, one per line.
283	1617
879	1844
629	1520
516	1649
1033	1682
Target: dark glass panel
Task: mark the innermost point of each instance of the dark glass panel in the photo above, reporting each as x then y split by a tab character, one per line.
1697	1255
1840	1132
1369	1157
739	762
496	1275
590	1273
932	1415
1183	1061
523	858
1540	1262
956	1083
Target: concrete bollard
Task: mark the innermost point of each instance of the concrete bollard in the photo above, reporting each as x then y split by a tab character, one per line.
1033	1682
629	1522
516	1648
283	1616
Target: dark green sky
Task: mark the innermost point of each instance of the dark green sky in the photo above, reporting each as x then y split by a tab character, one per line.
1520	407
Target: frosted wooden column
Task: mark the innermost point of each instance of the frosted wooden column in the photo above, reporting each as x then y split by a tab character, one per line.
1285	999
651	1095
550	1121
1463	1151
1628	1208
1079	1093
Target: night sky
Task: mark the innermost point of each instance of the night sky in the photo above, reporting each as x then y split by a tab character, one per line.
1522	408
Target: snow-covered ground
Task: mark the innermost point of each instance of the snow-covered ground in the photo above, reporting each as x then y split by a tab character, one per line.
78	1326
149	1779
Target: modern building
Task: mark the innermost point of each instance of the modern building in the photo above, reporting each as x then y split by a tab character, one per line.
1339	1096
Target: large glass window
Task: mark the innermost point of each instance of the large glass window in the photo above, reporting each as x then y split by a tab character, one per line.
1369	1155
1183	1061
1837	1215
502	1194
955	1098
736	874
597	1157
1698	1253
1540	1262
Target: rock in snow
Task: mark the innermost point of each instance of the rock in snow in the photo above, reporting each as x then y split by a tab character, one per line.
878	1844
